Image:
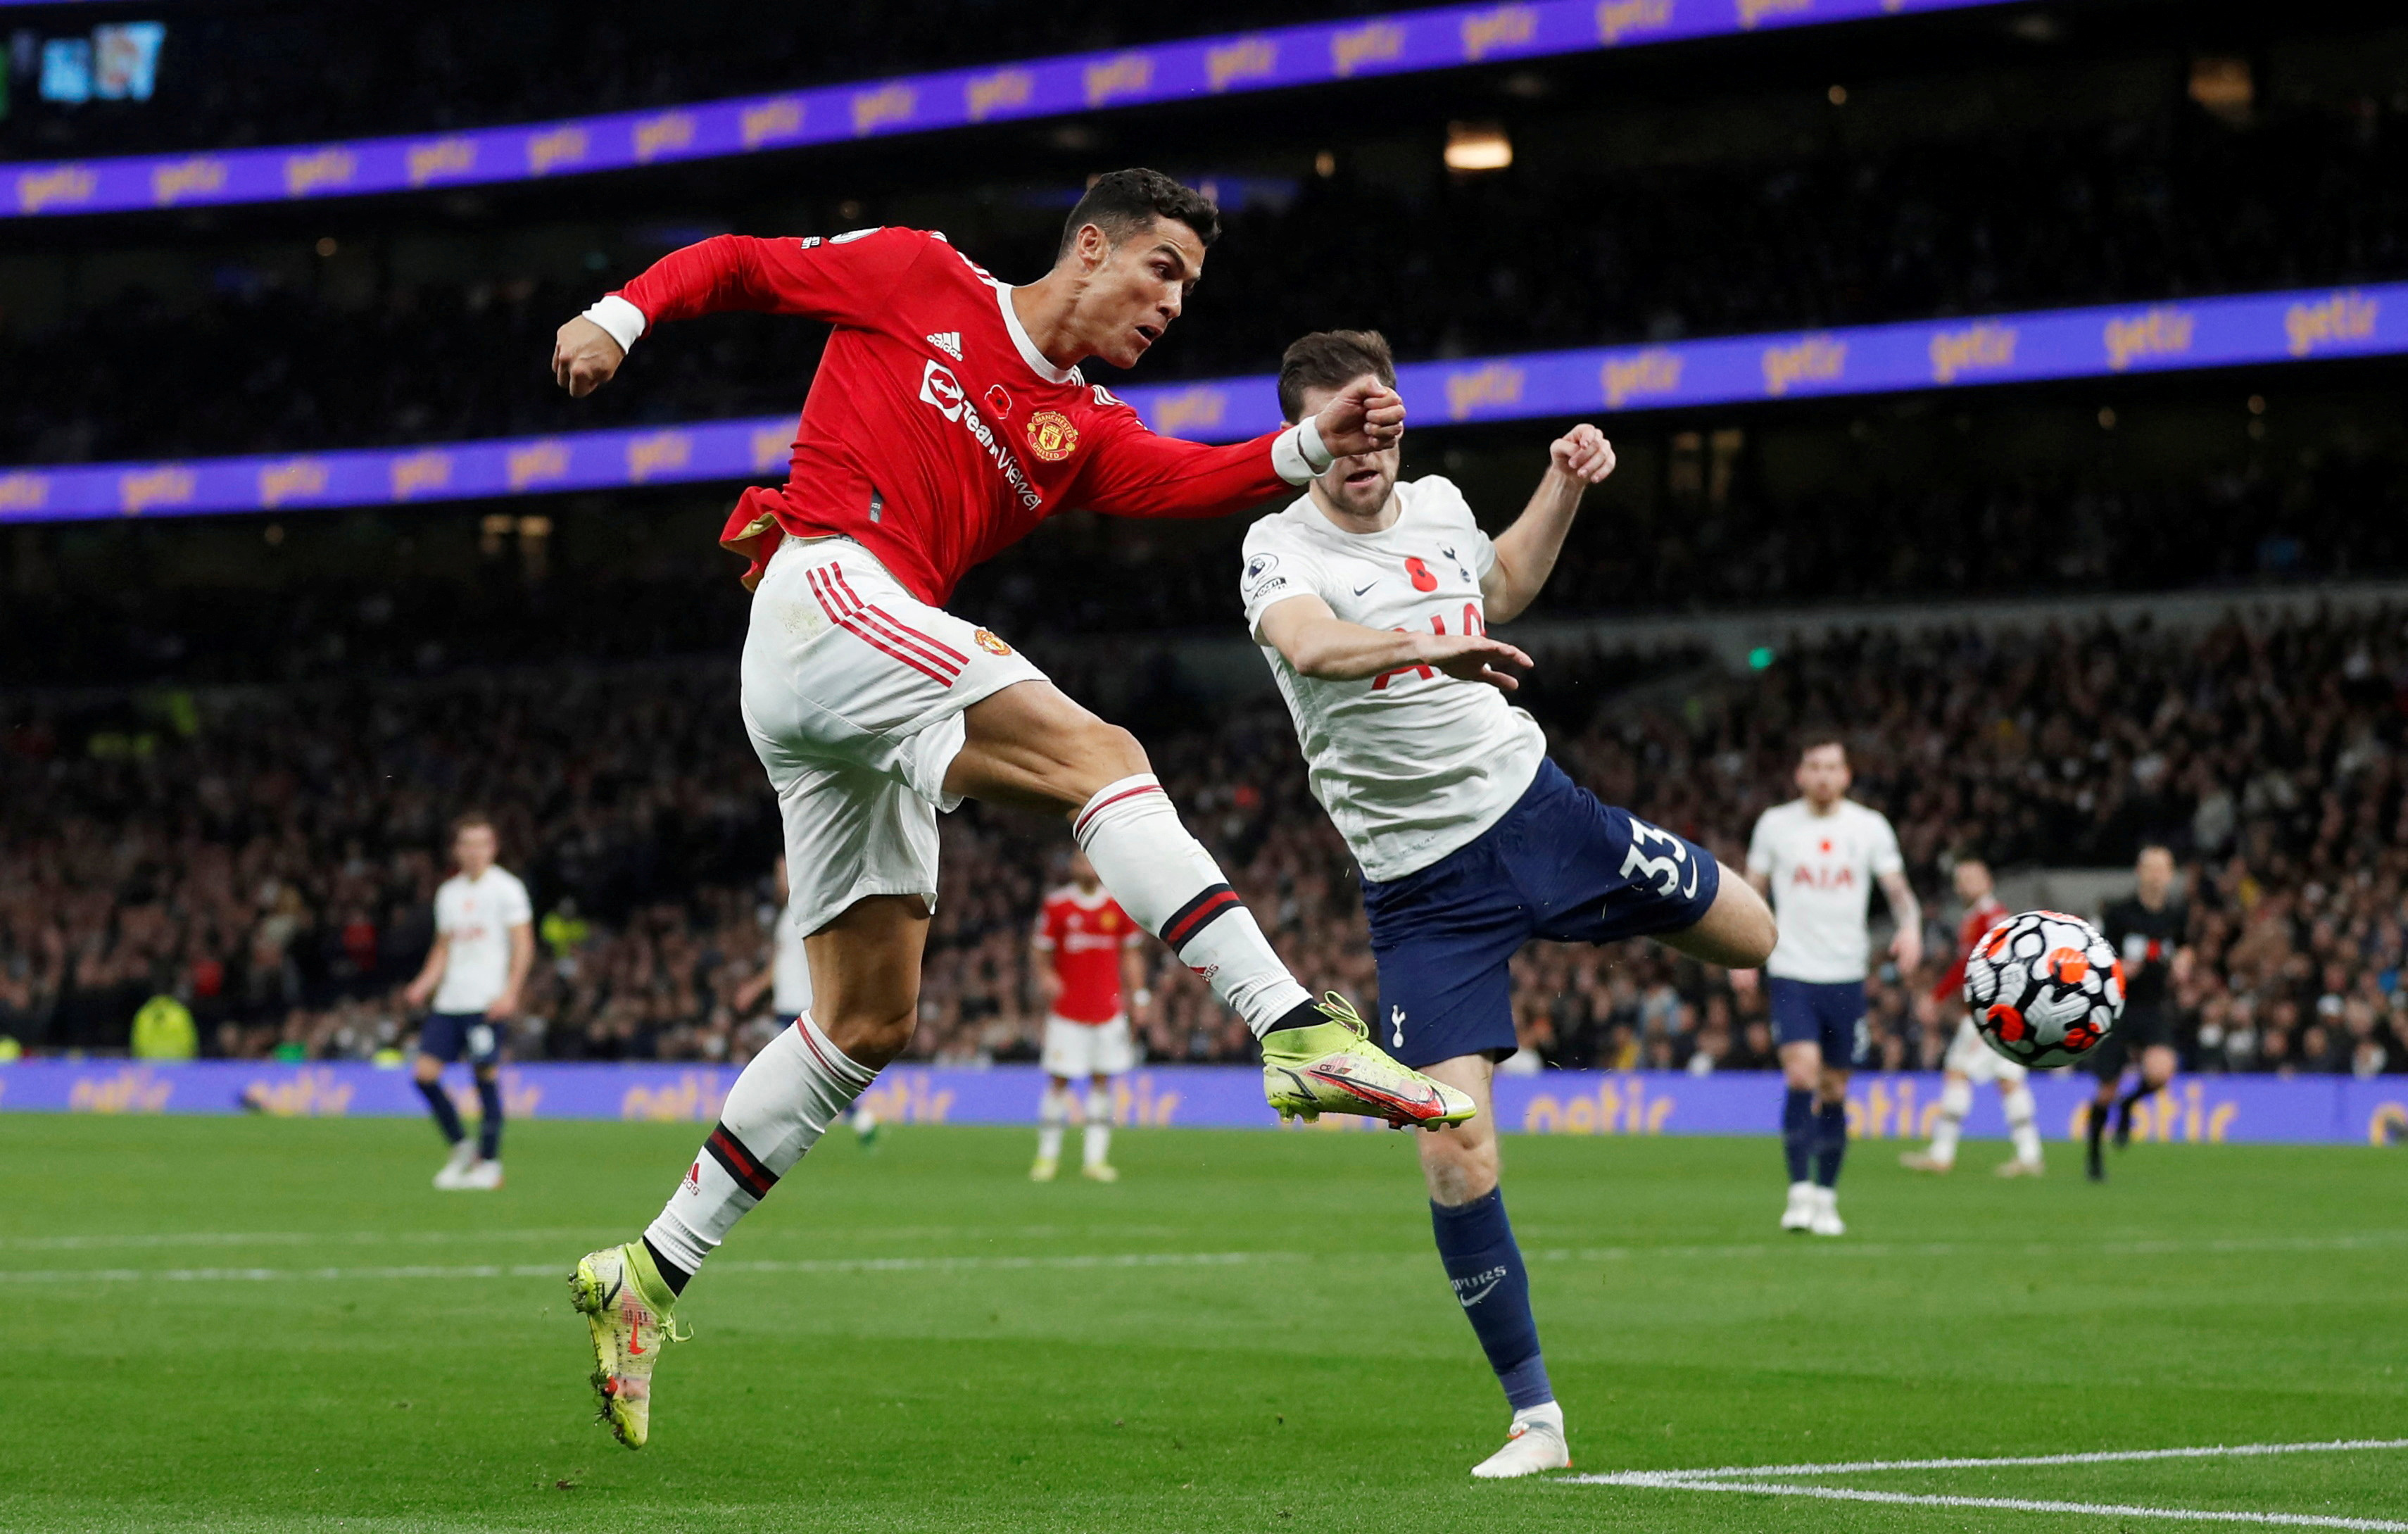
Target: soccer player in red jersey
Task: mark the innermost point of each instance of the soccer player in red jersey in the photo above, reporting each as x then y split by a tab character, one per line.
1089	956
947	420
1970	1061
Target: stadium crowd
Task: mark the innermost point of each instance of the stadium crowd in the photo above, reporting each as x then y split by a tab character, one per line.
1833	234
270	858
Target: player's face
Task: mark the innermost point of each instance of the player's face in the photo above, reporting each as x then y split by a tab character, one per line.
1361	482
2155	873
473	849
1135	289
1972	881
1823	775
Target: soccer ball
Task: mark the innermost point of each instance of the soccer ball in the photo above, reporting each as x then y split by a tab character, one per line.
2044	987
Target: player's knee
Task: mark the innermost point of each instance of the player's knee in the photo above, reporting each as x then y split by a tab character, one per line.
1457	1168
1105	752
871	1034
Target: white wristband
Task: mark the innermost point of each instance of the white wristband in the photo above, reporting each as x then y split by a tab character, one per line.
623	320
1299	454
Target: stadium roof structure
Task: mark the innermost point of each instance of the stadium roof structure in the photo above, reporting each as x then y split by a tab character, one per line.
1198	68
2032	347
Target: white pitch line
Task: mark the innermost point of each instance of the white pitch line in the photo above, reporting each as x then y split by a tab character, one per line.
2012	1504
2362	1240
560	1269
2099	1456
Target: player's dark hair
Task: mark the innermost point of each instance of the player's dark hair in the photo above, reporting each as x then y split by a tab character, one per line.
1816	739
1331	359
471	821
1127	202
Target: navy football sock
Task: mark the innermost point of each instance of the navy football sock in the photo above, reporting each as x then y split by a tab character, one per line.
1798	1132
1830	1142
1475	1243
447	1118
489	1128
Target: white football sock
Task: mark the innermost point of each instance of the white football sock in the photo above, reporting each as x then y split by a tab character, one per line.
1098	1142
778	1109
2020	1128
1052	1112
1955	1101
1169	885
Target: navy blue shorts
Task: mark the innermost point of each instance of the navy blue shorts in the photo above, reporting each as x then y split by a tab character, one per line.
1561	866
448	1036
1807	1012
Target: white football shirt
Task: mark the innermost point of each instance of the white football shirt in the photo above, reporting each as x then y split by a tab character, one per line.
790	973
1414	764
1822	869
476	916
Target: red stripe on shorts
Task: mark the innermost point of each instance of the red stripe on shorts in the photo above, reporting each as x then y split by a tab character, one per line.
846	618
935	643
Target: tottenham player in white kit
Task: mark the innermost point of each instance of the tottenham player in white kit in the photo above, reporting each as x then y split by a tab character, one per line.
484	944
1818	858
1371	601
1970	1061
788	983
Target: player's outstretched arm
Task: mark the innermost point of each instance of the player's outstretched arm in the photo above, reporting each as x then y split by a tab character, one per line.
1525	553
841	280
1319	643
1134	473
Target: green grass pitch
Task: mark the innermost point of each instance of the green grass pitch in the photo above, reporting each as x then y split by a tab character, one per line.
1249	1332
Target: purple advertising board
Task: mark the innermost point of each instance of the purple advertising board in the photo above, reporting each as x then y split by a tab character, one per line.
2211	1110
1198	68
2109	341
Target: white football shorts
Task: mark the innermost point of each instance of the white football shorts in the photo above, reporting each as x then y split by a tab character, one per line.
853	691
1978	1062
1076	1051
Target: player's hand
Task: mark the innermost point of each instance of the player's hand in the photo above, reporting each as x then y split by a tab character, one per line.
414	994
1907	949
504	1008
1474	657
1584	453
1366	417
585	357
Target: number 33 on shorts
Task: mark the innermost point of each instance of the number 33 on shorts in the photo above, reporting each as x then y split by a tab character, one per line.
1674	874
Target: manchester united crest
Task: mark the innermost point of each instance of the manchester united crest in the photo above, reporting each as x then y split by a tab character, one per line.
1052	436
989	644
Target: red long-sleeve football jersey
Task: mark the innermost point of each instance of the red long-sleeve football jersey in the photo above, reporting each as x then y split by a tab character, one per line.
1986	914
936	434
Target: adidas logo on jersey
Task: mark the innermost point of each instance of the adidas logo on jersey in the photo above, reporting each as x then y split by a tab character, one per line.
948	342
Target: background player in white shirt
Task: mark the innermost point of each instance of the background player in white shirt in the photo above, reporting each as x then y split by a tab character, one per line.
787	982
1091	967
1971	1062
1818	858
484	944
1371	601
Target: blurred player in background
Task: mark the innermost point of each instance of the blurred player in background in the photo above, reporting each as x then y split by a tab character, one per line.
2146	928
1971	1062
484	945
788	983
946	419
1818	858
1089	955
1371	601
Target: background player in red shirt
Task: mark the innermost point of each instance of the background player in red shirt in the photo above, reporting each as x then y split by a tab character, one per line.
947	419
1089	955
1969	1061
